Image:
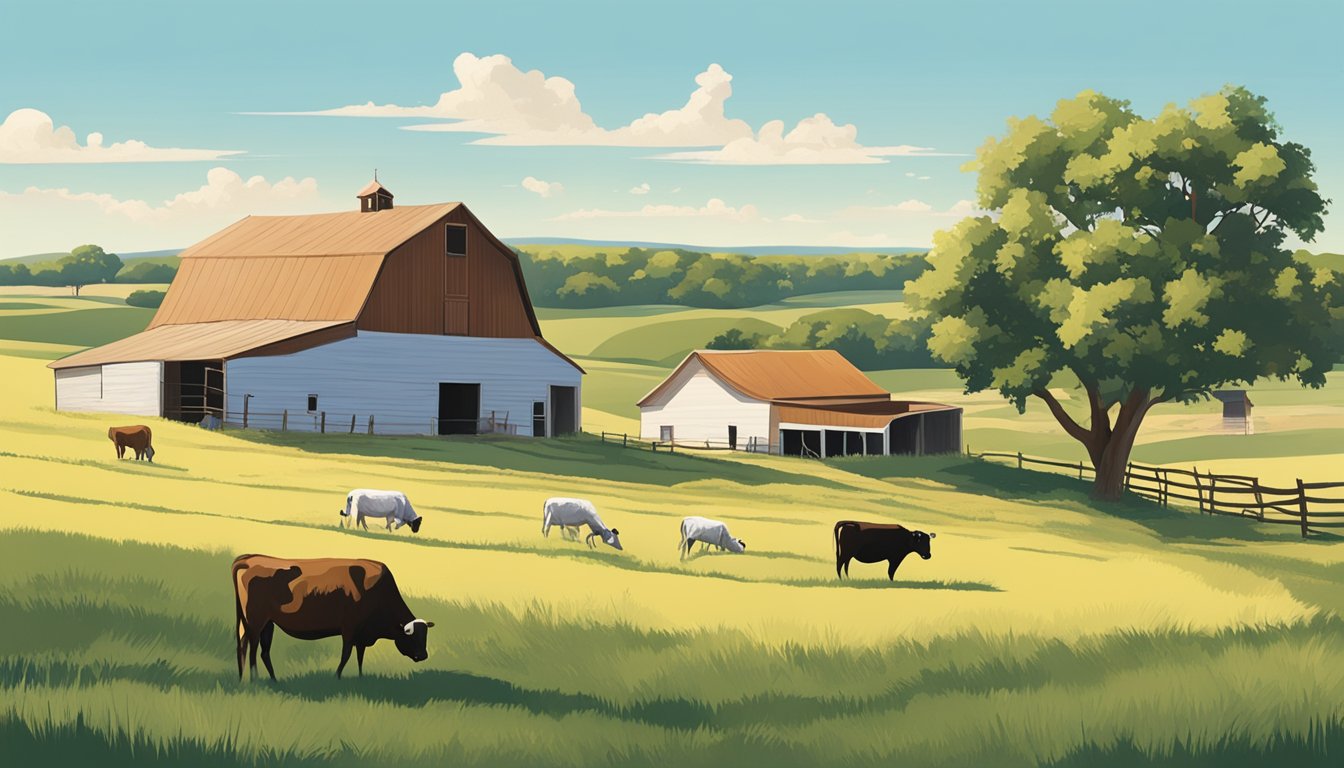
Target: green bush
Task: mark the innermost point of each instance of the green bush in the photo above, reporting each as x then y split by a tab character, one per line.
869	341
149	299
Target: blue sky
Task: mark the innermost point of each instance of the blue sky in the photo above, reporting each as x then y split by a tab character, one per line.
938	77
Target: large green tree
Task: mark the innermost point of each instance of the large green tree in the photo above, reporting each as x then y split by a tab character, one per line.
88	264
1143	257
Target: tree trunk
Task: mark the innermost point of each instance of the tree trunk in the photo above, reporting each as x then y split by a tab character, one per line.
1108	446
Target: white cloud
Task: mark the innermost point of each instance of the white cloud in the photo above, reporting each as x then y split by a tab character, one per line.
798	218
911	174
959	209
640	189
714	209
543	188
518	108
30	136
56	219
924	178
815	140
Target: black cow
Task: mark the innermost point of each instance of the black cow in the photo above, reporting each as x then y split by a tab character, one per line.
313	599
875	542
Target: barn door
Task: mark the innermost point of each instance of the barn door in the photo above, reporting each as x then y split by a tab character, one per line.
456	317
459	409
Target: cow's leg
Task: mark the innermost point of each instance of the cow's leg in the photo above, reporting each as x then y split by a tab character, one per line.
252	643
891	569
267	634
362	522
242	646
346	645
840	562
359	659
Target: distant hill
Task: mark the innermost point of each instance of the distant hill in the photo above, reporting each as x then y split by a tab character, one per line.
749	250
1333	261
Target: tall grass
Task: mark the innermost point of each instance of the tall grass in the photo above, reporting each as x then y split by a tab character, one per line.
123	652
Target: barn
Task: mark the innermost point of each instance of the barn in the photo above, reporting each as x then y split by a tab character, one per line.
796	403
416	316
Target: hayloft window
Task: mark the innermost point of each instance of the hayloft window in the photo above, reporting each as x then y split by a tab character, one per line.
312	403
455	239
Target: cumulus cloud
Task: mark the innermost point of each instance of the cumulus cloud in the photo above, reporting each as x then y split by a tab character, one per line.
798	218
714	209
30	136
520	108
640	189
53	219
815	140
543	188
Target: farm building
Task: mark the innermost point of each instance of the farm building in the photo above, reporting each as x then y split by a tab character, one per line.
796	403
1237	407
416	316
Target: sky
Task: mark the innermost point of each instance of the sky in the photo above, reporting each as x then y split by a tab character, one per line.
150	125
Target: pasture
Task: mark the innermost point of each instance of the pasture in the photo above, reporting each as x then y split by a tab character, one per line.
1044	631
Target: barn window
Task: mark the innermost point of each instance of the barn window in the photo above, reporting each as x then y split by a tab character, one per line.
312	403
665	434
455	240
539	418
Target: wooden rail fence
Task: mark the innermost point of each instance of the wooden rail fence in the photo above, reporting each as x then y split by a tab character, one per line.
1307	506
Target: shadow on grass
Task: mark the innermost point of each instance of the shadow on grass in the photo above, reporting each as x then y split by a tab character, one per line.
987	478
576	456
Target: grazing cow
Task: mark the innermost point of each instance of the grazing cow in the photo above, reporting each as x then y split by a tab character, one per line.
708	533
573	513
875	542
312	599
391	505
138	438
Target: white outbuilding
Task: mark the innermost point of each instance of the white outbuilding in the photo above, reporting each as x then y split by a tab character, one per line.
410	319
791	402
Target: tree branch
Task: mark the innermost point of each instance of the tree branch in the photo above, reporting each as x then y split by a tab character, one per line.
1075	430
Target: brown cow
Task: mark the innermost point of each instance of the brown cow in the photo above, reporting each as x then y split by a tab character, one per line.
138	438
875	542
313	599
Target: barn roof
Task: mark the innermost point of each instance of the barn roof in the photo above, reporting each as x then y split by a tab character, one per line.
776	375
210	341
321	234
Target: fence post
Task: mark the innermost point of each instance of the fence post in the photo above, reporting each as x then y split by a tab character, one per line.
245	399
431	426
1080	469
1199	490
1213	493
324	422
370	423
1163	496
1302	505
1019	459
284	420
625	439
352	423
1129	470
1260	509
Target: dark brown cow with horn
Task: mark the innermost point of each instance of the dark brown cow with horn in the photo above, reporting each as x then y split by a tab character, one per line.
357	600
875	542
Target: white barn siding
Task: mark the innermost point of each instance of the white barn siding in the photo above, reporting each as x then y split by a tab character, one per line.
699	406
131	388
395	377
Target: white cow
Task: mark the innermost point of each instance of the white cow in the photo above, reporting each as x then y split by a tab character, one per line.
708	533
573	513
392	505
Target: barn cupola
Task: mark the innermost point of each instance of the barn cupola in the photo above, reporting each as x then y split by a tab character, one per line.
374	197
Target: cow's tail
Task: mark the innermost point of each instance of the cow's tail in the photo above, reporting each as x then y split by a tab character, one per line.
238	591
546	519
838	526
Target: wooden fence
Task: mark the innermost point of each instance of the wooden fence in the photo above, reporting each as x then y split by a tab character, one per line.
634	441
323	422
1307	505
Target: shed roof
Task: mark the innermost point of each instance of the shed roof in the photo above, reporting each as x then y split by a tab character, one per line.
373	188
206	341
781	374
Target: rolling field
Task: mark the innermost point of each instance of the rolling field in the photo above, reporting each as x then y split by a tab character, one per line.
1044	631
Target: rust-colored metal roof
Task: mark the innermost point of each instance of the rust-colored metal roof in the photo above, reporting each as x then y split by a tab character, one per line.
208	290
781	374
201	341
322	234
872	414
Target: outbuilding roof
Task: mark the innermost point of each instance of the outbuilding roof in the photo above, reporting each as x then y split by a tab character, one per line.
873	414
211	341
775	375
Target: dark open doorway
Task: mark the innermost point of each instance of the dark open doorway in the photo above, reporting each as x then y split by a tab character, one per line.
192	389
459	408
564	411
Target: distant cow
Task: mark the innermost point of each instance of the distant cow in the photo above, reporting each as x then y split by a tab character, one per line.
391	505
573	513
138	438
708	533
875	542
312	599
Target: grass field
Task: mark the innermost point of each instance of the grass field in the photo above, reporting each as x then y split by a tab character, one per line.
1044	631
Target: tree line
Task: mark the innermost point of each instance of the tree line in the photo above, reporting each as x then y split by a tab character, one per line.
697	279
869	341
86	265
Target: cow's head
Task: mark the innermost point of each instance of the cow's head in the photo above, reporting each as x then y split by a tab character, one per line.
921	543
742	544
415	524
411	640
149	453
613	538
